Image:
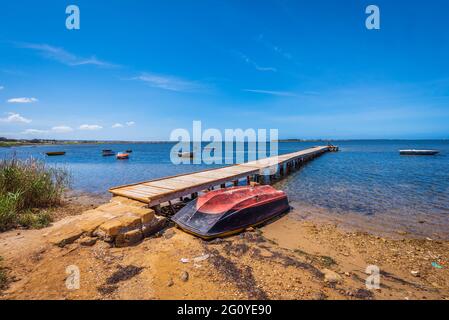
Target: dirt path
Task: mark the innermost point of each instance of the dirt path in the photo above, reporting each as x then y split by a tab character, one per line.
287	259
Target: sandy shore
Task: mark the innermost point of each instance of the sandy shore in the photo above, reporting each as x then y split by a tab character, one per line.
291	258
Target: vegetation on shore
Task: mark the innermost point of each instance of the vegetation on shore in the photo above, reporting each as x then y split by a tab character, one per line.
5	142
3	279
28	189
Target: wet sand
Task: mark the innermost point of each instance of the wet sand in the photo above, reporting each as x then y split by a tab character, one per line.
388	224
291	258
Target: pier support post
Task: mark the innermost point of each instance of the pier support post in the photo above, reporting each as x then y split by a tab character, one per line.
223	185
266	179
157	209
236	183
248	180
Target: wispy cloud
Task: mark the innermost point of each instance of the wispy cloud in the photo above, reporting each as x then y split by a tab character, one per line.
13	72
90	127
34	131
278	50
273	93
22	100
254	64
169	82
63	56
2	87
15	117
62	129
119	125
57	129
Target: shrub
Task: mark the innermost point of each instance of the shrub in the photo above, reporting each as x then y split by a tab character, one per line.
27	187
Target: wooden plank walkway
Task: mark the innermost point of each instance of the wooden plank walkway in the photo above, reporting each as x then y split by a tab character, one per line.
161	190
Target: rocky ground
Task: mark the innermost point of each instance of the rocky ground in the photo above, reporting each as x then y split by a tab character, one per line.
286	259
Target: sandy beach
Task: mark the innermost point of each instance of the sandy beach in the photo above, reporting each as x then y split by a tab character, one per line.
291	258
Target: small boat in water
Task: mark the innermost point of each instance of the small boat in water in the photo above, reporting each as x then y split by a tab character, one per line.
108	153
413	152
227	211
122	156
129	151
55	153
185	154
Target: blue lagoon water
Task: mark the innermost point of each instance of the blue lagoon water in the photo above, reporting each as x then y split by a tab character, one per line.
366	177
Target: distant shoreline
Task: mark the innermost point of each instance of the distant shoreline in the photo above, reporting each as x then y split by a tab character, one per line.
6	143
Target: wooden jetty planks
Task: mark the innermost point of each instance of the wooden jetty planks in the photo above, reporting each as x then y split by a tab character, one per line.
157	191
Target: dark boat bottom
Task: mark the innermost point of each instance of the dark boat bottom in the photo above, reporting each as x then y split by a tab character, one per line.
230	233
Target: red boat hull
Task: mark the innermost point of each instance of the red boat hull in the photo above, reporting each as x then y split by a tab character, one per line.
227	211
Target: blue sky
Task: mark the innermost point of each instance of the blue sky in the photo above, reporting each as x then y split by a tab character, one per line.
136	70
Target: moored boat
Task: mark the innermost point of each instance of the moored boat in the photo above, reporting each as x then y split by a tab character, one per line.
227	211
185	154
413	152
129	151
55	153
107	153
122	156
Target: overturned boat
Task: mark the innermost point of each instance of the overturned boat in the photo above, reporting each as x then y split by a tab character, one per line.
227	211
413	152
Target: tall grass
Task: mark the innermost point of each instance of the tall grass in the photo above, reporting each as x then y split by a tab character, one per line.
27	188
3	279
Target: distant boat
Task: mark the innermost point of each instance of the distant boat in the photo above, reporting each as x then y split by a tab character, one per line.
108	153
122	156
129	151
413	152
185	154
55	153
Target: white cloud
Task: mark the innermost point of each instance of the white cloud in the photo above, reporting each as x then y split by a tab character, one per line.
119	125
273	93
169	82
63	56
254	64
15	117
90	127
57	129
2	87
22	100
61	129
34	131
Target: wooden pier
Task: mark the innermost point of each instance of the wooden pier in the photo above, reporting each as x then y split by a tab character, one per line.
158	191
130	215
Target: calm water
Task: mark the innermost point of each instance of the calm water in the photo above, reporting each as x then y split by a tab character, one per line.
366	177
